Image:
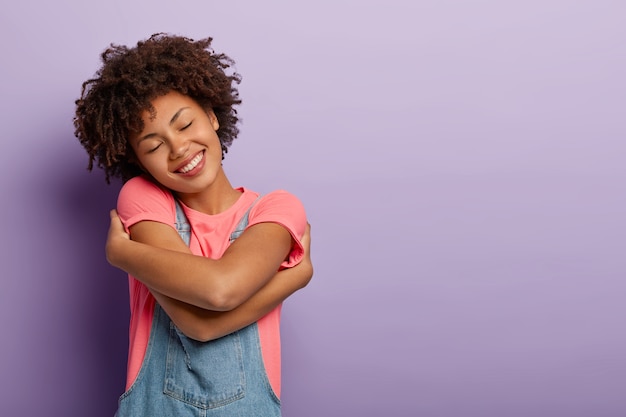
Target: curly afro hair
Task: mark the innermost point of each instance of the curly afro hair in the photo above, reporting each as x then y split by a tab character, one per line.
110	107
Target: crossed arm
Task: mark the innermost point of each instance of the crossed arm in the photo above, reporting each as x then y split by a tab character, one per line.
209	298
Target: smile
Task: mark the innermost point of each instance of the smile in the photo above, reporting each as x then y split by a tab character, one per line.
192	164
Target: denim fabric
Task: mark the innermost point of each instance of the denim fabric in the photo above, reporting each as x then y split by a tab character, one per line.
180	376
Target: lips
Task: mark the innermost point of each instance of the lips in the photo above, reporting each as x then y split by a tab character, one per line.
191	164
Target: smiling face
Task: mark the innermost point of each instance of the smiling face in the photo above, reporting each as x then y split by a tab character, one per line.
179	146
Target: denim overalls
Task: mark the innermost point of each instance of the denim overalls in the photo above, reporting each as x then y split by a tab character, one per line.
183	377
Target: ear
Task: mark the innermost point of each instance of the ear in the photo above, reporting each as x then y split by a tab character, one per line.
213	119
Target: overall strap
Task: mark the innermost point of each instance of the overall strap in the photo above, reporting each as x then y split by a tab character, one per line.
184	229
243	223
182	225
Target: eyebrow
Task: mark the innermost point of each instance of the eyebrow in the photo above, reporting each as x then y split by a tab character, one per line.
172	121
175	116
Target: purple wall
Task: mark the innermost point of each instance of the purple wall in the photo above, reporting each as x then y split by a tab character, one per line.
462	164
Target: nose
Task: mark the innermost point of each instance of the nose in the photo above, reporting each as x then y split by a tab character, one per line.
178	147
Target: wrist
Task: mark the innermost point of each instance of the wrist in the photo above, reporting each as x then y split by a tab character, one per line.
115	250
306	271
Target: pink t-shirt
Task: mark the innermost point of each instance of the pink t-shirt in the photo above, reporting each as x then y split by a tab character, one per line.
140	199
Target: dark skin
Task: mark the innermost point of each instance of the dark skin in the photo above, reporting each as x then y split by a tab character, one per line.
203	324
114	114
180	149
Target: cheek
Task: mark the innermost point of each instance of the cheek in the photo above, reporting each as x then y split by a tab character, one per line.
153	166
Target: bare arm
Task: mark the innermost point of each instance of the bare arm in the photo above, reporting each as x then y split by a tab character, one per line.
165	265
204	325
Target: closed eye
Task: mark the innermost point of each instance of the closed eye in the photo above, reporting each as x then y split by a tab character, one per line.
186	126
155	148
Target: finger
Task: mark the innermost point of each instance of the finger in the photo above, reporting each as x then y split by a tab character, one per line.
116	222
306	239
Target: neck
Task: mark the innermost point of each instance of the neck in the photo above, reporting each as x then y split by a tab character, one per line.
216	198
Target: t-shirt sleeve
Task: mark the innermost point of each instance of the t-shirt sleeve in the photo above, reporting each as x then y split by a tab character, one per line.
287	210
140	199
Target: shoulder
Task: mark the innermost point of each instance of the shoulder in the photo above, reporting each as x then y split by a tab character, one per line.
141	199
140	185
281	207
280	198
280	201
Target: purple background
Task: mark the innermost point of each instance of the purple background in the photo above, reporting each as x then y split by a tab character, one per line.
462	164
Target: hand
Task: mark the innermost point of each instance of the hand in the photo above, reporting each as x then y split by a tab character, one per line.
305	267
306	244
116	238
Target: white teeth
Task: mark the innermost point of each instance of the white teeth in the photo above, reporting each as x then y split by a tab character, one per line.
191	165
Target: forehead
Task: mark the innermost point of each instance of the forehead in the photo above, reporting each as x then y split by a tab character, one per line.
166	105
